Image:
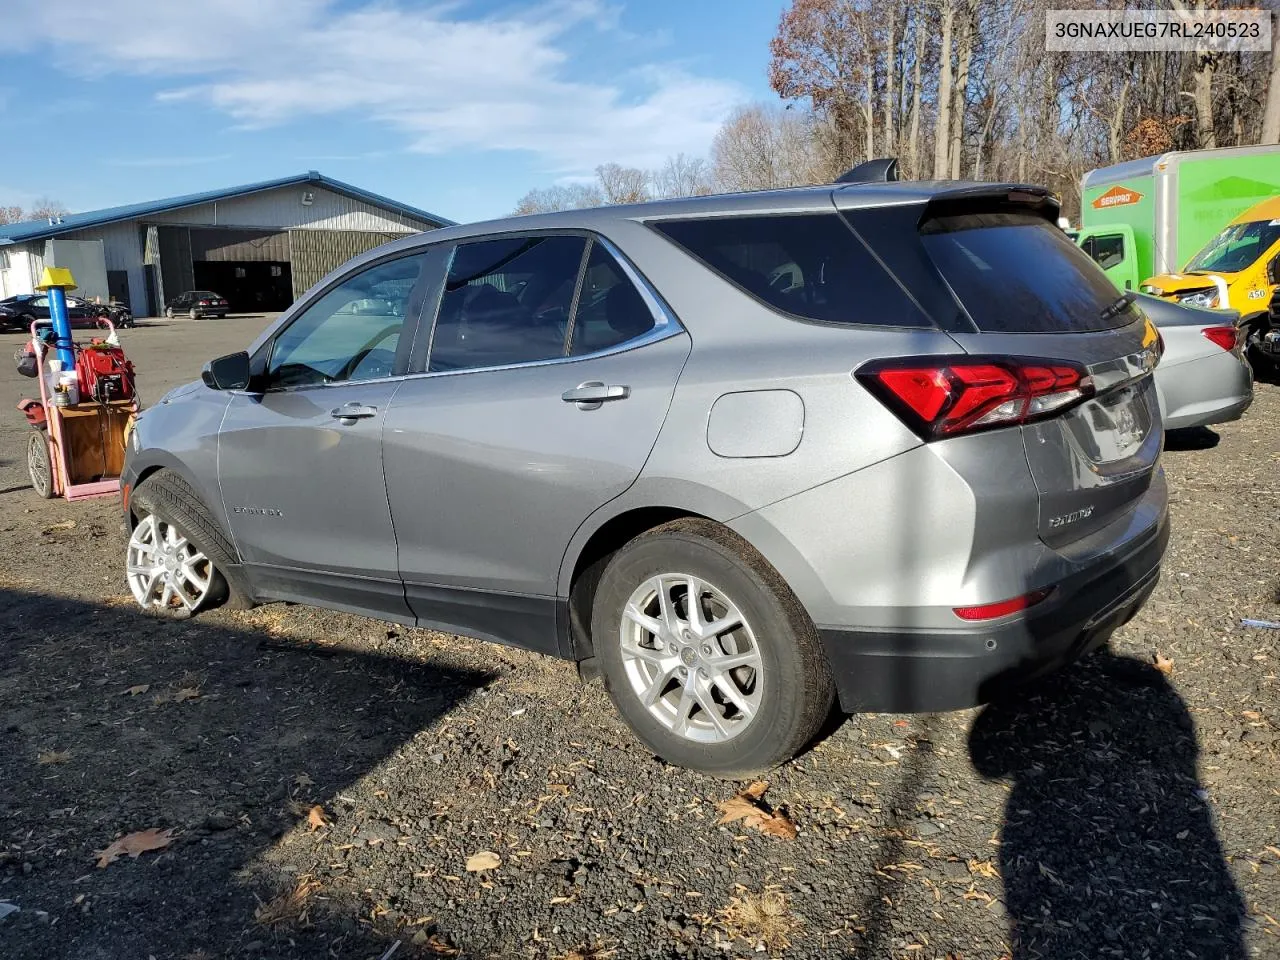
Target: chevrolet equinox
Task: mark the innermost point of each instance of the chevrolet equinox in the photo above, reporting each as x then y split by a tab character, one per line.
891	445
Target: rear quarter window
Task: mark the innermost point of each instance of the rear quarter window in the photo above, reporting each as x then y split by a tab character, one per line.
809	266
1018	273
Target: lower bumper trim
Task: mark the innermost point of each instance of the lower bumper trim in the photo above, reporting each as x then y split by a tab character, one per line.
926	671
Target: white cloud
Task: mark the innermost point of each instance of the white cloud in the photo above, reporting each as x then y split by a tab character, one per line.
444	81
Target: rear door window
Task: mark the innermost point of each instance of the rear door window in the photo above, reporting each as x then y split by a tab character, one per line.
1018	273
809	266
507	301
610	310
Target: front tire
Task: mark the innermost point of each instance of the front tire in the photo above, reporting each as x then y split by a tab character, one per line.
168	312
193	314
178	562
39	464
706	652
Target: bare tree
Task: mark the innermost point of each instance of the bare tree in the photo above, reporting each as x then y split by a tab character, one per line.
1271	113
942	126
622	184
760	148
682	176
575	196
44	208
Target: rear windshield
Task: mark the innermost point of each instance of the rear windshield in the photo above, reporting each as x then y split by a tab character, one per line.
1018	273
807	265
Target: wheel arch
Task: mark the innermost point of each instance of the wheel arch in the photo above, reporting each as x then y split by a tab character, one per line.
643	507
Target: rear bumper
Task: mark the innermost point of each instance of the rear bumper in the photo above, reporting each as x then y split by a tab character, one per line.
1213	389
923	671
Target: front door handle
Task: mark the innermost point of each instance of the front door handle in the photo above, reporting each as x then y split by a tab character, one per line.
349	413
592	394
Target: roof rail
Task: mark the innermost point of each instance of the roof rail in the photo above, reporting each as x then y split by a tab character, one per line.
882	170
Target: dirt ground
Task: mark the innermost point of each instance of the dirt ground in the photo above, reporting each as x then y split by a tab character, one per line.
324	781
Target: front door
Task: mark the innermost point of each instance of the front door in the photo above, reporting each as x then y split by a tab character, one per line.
543	397
300	461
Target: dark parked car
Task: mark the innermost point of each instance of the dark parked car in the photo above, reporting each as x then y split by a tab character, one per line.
197	304
18	312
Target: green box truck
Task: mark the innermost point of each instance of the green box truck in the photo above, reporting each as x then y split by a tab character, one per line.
1145	220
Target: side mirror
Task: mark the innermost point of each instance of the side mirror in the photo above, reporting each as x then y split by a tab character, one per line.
227	373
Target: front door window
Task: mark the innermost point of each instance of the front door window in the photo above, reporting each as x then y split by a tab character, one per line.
351	333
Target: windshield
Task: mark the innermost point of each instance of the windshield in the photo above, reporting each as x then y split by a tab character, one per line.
1236	247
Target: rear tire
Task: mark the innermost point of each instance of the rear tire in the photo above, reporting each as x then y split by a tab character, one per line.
39	465
731	686
178	562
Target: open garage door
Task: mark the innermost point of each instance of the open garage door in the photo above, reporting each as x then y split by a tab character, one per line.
315	253
249	267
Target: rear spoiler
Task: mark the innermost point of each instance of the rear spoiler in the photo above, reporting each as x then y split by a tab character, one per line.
974	198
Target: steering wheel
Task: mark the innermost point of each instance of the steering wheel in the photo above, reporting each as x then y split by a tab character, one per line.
372	362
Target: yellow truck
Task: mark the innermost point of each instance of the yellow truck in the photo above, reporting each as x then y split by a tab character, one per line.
1239	268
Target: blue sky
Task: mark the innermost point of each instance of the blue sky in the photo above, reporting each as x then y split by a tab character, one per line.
455	107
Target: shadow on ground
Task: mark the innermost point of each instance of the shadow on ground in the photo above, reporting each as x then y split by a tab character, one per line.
226	735
1108	848
1192	438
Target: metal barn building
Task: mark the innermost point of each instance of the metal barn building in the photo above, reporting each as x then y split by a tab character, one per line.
260	245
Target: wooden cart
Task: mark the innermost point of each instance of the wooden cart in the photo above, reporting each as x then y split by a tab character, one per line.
75	451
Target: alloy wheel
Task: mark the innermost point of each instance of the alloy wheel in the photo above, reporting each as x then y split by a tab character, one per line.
166	570
691	658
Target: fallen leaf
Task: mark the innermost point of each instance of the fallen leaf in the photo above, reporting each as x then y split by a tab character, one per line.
135	844
484	860
745	806
302	780
983	868
46	757
136	690
1164	664
316	818
186	693
775	825
63	525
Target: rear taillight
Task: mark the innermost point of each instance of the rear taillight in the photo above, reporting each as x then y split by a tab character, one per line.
1225	337
992	611
204	303
943	396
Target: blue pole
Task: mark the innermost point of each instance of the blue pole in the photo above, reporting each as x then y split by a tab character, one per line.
61	327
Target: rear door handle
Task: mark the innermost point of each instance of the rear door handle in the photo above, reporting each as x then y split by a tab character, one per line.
591	394
349	413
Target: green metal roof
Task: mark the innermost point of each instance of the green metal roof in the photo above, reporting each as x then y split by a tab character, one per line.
39	229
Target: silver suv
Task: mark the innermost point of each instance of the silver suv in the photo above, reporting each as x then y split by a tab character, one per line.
893	444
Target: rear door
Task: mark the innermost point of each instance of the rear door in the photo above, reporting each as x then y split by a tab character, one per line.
1025	290
550	373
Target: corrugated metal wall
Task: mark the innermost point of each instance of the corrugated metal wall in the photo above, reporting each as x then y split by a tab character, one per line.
221	245
176	273
315	253
283	207
122	248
